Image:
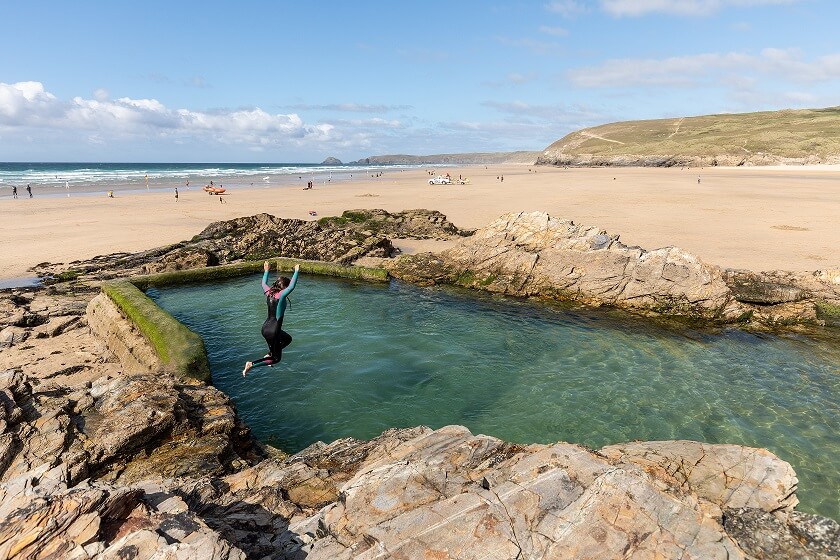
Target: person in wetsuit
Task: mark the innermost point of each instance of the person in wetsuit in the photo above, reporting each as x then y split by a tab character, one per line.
276	298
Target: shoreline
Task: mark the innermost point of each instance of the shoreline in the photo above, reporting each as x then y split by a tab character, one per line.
751	218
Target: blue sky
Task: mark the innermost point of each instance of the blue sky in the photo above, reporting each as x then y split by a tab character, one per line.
299	81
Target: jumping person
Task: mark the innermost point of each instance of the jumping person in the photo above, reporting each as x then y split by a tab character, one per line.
276	299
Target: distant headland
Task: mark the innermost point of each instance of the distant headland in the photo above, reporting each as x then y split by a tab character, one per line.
787	137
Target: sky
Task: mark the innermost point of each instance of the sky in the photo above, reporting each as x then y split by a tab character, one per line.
280	81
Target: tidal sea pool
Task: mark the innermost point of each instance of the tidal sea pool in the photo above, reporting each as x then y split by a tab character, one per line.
366	357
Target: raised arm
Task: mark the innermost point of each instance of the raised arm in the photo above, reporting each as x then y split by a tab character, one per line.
265	285
288	289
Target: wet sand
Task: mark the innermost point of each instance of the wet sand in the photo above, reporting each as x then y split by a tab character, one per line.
753	218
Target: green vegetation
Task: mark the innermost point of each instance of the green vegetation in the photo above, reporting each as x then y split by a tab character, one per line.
351	217
214	273
829	313
178	347
69	275
197	275
785	134
332	269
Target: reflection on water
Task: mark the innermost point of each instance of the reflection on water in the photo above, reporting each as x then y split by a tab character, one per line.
367	357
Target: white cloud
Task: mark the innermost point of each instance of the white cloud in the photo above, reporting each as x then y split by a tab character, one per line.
27	105
550	113
567	8
554	31
352	108
25	101
197	82
535	46
633	8
779	64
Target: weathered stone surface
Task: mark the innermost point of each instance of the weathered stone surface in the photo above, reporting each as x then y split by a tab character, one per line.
180	259
450	494
12	335
130	347
342	239
730	476
794	536
751	287
43	518
533	254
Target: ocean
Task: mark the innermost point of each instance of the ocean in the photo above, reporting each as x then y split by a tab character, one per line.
55	178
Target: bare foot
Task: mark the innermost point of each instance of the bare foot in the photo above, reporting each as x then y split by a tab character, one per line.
248	366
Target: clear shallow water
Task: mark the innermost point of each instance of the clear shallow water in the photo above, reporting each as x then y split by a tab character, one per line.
366	357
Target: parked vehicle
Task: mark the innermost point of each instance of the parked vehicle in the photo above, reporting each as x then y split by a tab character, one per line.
440	180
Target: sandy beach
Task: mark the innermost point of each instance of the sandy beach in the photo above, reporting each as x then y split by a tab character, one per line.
753	218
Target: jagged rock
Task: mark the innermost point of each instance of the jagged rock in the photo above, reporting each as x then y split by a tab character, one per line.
56	325
355	234
533	254
12	335
450	494
793	536
43	518
180	259
415	224
729	476
447	493
130	411
751	287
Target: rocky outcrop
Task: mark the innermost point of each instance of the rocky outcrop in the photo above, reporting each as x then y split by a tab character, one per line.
44	518
414	224
780	297
183	258
331	161
67	402
450	494
342	239
533	254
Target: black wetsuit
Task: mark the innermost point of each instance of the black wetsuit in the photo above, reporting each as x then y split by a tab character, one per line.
273	333
272	330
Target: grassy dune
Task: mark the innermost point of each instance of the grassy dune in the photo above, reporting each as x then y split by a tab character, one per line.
806	135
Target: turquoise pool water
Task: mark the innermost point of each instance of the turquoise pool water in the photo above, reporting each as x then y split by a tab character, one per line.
367	357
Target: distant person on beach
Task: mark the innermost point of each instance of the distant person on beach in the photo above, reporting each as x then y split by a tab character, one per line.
276	299
29	190
176	194
14	191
